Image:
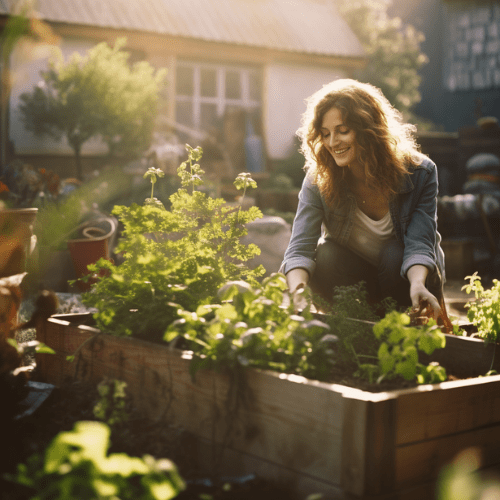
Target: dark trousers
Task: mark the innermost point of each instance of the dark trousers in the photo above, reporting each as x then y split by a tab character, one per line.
337	265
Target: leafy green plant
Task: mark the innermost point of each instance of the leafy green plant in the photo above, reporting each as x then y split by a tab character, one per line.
76	465
378	349
248	327
95	95
484	311
350	303
398	351
465	478
176	257
111	407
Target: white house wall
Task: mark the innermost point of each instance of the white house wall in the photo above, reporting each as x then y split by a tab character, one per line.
287	89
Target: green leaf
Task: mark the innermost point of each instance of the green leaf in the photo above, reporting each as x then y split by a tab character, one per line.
14	344
407	369
227	311
386	361
45	349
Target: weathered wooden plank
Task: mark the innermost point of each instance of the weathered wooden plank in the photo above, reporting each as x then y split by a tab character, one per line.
298	420
420	462
368	445
354	430
465	357
380	446
300	486
451	407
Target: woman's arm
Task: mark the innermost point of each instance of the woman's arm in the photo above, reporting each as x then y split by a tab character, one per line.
420	255
421	233
306	231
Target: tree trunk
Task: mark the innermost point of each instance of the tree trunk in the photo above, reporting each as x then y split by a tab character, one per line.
78	161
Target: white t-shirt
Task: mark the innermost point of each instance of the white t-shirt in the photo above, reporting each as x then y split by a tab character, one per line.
368	236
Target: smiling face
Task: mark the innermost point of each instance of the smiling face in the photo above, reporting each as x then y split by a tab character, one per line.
338	139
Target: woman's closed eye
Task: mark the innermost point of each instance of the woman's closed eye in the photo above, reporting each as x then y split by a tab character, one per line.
342	131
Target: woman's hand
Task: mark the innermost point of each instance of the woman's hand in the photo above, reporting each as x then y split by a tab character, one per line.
297	280
421	299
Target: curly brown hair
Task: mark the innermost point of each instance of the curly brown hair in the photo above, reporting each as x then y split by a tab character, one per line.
386	145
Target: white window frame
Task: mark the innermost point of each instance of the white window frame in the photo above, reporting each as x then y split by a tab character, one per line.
220	100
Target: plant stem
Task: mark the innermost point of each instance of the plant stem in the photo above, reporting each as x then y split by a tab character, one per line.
191	170
241	201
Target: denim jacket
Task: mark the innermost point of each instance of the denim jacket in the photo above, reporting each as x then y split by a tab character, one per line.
413	212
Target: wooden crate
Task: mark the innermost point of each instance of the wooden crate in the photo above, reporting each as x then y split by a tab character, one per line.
312	436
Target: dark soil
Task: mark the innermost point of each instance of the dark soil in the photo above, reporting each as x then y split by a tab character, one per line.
75	401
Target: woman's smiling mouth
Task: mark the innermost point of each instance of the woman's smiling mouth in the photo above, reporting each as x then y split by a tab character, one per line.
340	151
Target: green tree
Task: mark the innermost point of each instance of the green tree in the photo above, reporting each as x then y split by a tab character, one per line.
393	49
96	95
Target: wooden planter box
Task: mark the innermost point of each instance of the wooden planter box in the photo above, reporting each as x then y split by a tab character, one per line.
312	436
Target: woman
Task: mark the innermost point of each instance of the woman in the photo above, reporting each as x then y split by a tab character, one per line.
367	207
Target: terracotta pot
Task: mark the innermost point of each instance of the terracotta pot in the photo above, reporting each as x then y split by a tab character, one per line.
94	245
16	242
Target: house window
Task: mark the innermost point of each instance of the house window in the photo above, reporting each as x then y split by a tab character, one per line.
206	92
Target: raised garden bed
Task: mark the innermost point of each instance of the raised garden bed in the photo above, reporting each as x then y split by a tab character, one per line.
313	436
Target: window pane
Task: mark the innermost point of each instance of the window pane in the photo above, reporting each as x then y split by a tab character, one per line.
184	113
255	85
233	85
208	116
184	81
208	83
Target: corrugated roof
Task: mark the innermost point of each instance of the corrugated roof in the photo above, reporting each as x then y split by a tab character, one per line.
306	26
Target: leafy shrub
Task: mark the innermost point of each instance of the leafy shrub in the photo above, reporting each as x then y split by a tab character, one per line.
76	466
250	328
182	256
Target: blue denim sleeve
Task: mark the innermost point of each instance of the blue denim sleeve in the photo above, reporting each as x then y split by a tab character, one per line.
306	230
420	233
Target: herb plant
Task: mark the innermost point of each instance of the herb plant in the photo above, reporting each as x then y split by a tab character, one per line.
350	303
398	351
111	407
484	312
76	465
178	256
377	349
248	327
